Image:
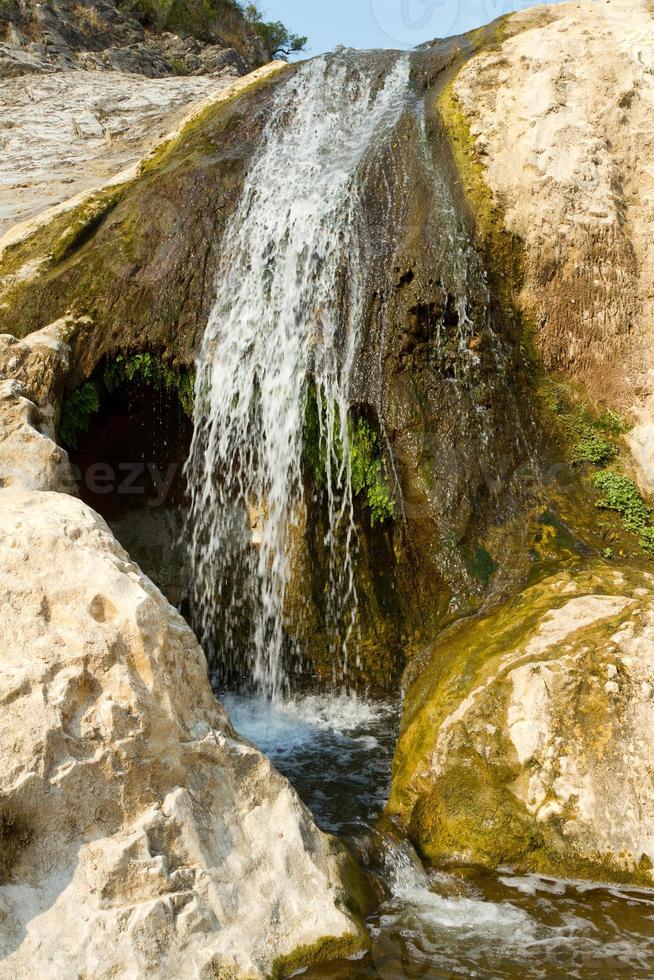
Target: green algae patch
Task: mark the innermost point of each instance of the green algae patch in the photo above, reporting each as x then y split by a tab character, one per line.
504	251
499	709
324	950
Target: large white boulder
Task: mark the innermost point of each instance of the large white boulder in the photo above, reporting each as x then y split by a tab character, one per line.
139	835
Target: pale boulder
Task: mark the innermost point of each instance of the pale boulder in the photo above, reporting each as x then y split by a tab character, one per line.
528	734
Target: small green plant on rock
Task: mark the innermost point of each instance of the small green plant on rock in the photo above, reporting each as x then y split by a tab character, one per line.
368	477
620	494
80	405
592	448
76	412
152	370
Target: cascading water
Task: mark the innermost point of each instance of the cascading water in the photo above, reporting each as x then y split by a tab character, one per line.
285	317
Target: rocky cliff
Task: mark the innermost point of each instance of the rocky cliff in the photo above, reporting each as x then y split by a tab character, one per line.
148	38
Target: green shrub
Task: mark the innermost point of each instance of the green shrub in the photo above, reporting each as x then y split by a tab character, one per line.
179	67
76	412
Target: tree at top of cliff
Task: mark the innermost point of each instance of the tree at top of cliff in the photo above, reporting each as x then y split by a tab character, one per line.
276	38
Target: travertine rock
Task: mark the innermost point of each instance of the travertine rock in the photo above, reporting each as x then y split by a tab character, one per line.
528	735
562	114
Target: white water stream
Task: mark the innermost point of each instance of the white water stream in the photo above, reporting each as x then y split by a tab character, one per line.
288	302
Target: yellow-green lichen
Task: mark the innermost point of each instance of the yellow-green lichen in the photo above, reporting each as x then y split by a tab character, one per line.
458	786
322	951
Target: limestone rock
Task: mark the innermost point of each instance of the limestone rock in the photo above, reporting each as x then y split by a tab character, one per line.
528	735
32	374
562	115
139	835
64	133
151	40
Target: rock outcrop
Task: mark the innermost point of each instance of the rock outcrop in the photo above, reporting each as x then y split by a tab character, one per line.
65	133
146	38
139	835
528	735
562	118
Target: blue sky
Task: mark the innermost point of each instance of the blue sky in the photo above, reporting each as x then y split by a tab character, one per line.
384	23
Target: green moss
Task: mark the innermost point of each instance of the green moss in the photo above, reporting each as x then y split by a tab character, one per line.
77	411
328	948
367	469
84	221
458	786
480	565
504	250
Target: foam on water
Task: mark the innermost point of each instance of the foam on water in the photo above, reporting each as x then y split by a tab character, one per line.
336	750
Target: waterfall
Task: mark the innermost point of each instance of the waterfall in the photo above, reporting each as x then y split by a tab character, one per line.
289	297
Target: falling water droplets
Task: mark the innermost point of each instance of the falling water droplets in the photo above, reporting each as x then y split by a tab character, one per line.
287	309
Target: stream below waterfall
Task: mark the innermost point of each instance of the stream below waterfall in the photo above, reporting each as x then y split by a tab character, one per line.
463	922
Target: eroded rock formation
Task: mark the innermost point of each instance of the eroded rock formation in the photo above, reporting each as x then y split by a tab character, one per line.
148	39
138	832
527	734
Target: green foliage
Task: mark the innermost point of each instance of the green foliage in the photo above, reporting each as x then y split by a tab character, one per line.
608	553
580	423
276	38
179	67
612	423
81	404
621	494
366	465
368	476
152	371
592	448
76	412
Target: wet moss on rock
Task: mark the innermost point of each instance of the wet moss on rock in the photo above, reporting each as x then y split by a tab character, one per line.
458	785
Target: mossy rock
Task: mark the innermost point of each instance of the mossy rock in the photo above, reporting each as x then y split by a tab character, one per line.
528	734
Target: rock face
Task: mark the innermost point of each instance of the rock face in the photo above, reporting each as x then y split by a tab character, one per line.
528	735
139	835
64	133
562	114
152	39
